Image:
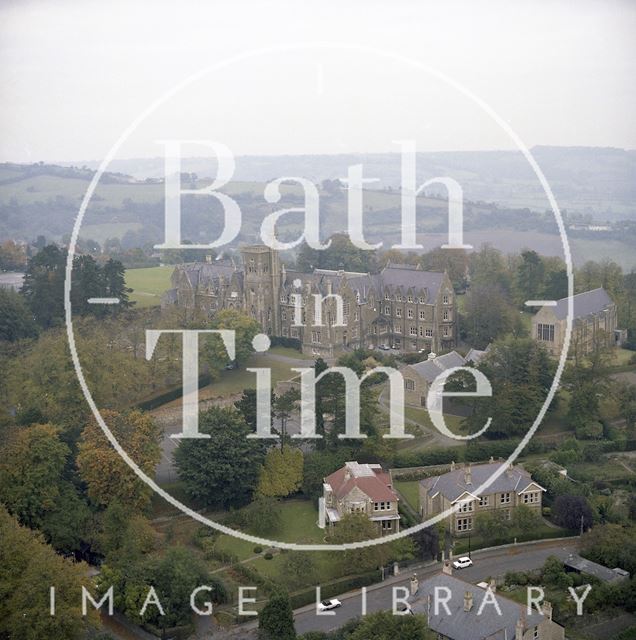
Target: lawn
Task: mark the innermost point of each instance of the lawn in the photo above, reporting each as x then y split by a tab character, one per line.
148	284
409	490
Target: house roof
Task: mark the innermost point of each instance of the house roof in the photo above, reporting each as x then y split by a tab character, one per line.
453	484
371	479
430	369
584	304
468	625
580	564
409	277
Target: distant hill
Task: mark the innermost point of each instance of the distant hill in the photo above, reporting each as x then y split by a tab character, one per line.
44	200
596	181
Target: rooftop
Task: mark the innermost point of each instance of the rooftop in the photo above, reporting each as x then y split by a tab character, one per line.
471	624
580	564
371	479
455	483
584	304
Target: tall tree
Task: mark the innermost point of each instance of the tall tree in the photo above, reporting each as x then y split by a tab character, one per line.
114	277
43	286
223	469
282	472
108	477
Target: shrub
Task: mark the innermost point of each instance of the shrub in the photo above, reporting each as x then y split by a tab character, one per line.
268	556
258	549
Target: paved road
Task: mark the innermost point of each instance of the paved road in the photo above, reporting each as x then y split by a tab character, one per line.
487	564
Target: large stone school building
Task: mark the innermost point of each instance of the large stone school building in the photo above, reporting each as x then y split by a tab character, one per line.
403	307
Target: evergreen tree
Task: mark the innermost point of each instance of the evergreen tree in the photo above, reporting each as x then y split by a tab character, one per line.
114	278
276	620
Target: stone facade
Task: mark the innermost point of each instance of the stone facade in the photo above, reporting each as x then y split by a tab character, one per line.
514	487
402	307
594	320
362	488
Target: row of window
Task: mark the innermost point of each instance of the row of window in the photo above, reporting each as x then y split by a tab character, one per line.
381	506
410	298
545	332
410	314
504	498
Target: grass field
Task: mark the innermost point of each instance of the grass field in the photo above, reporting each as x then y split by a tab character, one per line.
409	490
148	284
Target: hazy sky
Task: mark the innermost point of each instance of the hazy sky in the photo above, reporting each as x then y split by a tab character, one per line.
75	74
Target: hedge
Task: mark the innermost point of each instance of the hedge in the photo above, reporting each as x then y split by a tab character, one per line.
170	395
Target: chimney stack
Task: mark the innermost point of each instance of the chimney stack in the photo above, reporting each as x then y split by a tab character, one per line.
447	568
492	584
414	584
468	475
452	467
492	459
329	287
547	609
509	471
468	600
521	625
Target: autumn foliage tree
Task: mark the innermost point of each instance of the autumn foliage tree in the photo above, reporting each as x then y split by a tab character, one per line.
102	468
282	472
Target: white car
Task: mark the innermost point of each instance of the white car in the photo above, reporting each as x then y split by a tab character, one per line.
327	605
463	563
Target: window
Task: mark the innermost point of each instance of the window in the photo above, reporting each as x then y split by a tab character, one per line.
445	331
535	633
409	385
398	312
381	506
387	525
445	299
545	332
530	498
387	296
284	315
398	328
283	298
422	332
422	315
387	310
446	315
464	524
409	313
422	300
410	298
413	331
429	333
345	308
465	507
507	514
504	498
293	332
315	336
484	501
356	315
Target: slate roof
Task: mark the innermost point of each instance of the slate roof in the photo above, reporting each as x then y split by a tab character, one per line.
453	484
580	564
584	304
204	273
467	625
408	277
430	369
371	479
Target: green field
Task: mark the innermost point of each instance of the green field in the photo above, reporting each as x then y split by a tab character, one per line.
148	284
409	490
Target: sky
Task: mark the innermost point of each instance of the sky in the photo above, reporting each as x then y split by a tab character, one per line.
75	75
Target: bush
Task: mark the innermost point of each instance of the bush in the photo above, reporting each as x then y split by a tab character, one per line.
268	556
546	511
590	430
258	549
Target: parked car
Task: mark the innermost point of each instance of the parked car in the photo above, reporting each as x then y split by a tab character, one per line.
463	563
327	605
384	347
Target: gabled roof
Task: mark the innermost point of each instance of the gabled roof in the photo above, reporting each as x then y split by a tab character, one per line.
430	369
467	625
584	304
453	484
371	479
409	277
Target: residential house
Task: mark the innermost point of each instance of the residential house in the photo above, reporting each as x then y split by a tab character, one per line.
459	490
419	376
458	610
362	488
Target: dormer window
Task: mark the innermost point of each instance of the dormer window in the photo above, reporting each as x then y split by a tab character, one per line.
422	300
410	298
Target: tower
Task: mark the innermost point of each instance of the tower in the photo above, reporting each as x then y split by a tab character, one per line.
261	266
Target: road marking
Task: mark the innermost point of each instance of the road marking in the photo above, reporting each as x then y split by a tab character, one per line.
104	301
540	303
321	513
